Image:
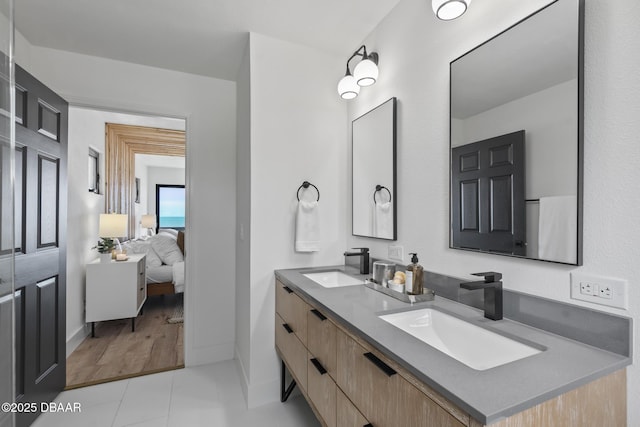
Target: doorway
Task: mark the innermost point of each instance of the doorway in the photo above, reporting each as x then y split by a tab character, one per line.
134	152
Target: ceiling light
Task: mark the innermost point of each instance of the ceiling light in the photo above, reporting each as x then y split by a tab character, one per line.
364	74
449	9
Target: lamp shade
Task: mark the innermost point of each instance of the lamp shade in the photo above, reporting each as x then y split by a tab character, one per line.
366	72
449	9
113	225
148	221
348	88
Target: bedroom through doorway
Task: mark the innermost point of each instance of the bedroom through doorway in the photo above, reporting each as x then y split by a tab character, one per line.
133	305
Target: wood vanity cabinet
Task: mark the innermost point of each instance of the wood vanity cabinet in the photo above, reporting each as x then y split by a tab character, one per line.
347	415
348	383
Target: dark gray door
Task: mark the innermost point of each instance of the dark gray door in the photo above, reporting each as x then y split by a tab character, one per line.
487	195
40	246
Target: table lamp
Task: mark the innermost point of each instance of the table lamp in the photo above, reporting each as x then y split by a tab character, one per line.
113	226
148	222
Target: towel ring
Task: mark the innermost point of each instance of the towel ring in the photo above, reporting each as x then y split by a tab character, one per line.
379	188
306	184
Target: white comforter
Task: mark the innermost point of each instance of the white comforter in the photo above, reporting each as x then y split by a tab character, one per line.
178	276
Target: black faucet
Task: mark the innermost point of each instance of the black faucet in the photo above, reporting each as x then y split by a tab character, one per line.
492	293
363	253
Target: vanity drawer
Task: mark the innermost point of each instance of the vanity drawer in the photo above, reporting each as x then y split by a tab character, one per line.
292	351
321	390
347	415
372	386
293	310
321	340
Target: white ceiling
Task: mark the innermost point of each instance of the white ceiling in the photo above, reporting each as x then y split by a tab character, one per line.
206	37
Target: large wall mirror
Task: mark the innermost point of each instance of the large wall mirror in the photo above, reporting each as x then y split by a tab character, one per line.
374	173
516	139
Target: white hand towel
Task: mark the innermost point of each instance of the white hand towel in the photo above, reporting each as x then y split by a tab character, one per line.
383	220
558	229
307	227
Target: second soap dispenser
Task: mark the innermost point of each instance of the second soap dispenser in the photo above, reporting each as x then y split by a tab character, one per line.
413	281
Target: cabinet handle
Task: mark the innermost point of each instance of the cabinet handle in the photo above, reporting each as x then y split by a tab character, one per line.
368	425
289	291
319	315
388	370
287	328
318	366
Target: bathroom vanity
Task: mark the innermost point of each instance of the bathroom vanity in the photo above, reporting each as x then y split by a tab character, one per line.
356	369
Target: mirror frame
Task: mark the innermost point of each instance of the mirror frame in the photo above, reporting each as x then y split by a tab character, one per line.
579	143
394	194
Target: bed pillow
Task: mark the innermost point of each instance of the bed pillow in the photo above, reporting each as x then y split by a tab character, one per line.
167	249
143	247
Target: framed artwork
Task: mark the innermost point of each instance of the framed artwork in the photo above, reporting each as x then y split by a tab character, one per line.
137	190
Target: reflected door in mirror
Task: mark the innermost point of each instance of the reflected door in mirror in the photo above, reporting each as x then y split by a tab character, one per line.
488	205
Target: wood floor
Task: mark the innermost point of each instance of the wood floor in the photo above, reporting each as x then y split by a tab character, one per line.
116	352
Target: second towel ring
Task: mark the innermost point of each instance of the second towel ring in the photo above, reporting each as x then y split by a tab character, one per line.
306	184
379	188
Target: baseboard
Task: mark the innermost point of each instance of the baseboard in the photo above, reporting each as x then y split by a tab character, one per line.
207	355
244	380
76	339
261	394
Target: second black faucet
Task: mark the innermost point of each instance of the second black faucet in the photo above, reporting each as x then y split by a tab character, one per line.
363	253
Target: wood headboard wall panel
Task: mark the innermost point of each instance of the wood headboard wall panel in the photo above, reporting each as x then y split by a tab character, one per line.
122	143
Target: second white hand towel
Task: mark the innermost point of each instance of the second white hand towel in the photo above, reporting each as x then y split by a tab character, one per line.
307	227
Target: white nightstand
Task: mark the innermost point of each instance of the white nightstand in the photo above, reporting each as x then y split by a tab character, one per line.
115	290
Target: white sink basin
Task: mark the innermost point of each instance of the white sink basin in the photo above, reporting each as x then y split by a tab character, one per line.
333	279
472	345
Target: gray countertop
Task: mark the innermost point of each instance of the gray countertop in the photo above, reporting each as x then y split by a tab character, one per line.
488	395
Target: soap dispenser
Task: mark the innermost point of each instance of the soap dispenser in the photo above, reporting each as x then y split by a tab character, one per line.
413	281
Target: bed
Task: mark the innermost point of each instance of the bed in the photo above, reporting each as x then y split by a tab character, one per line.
165	261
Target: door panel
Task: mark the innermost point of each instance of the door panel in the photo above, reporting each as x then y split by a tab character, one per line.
487	195
40	277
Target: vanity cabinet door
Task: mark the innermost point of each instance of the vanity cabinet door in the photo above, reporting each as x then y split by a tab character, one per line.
321	340
417	410
371	385
347	415
321	390
292	352
293	310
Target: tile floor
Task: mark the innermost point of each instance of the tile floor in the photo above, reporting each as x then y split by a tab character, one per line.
199	396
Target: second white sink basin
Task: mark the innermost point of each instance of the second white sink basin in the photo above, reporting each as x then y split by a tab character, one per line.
333	279
472	345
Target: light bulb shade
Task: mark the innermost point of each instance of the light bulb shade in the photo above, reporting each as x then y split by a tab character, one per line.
449	9
348	88
113	225
366	72
148	221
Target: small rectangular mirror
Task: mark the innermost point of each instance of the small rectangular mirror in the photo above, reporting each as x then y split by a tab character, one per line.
516	139
374	173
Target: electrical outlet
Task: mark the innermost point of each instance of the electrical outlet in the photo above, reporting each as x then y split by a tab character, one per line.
396	252
599	290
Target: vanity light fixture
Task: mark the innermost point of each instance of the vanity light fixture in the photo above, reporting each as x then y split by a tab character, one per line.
449	9
364	74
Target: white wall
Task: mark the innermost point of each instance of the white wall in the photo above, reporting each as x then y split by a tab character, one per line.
209	106
415	51
298	133
243	229
87	129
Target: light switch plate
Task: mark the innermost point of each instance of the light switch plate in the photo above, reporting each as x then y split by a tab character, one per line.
396	252
599	290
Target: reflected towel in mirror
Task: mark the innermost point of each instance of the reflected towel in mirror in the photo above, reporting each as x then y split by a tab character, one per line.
558	229
383	220
307	227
